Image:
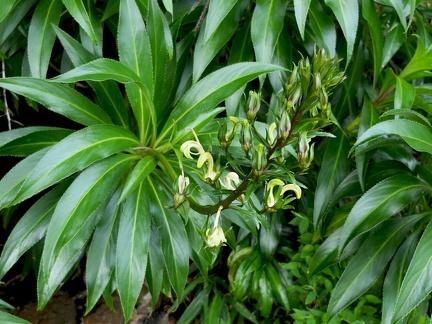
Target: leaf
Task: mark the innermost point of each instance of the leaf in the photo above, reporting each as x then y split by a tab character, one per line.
194	307
205	51
31	228
175	245
278	288
75	153
77	10
143	168
217	11
58	98
404	95
74	220
135	52
416	284
333	170
6	7
399	7
408	114
379	203
394	38
41	36
421	62
108	93
31	143
14	134
12	182
207	93
154	275
414	134
265	299
368	263
101	254
323	28
168	6
266	26
14	17
11	319
395	274
301	8
133	247
369	13
346	12
282	57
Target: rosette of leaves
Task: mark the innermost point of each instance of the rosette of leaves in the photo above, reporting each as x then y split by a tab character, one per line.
104	191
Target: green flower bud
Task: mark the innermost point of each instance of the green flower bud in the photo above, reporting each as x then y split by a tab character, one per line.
259	160
284	126
303	148
253	105
225	137
246	137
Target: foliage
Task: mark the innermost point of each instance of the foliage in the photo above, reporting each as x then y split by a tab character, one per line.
321	191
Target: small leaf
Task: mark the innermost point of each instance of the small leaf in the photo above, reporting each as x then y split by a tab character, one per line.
133	247
301	8
404	95
368	263
75	153
379	203
77	10
346	13
58	98
41	36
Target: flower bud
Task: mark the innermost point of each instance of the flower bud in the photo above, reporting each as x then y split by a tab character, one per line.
284	126
253	105
246	137
270	133
225	137
215	238
303	148
259	160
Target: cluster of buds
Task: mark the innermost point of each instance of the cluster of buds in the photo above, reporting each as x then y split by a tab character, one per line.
274	199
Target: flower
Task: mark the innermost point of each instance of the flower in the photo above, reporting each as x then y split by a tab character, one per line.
206	157
186	149
229	179
270	198
217	236
275	201
183	182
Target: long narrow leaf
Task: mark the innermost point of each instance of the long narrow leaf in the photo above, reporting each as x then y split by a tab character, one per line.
379	203
301	8
324	31
207	93
217	11
75	153
77	10
154	275
41	36
14	17
11	319
133	247
366	266
6	7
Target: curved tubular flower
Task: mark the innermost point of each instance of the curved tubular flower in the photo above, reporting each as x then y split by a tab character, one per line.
183	182
229	179
217	236
206	157
270	198
292	187
186	149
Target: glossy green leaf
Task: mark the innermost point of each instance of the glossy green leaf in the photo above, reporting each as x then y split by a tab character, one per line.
14	17
30	229
194	307
217	11
207	93
393	41
215	309
282	57
404	95
154	275
101	253
12	182
11	319
58	98
408	114
266	26
168	4
379	203
369	13
242	309
346	12
175	245
414	134
368	263
41	36
133	247
14	134
74	220
94	46
205	51
99	70
31	143
395	274
399	7
416	284
278	288
108	93
334	169
323	28
142	169
75	153
265	300
421	62
6	7
77	10
301	8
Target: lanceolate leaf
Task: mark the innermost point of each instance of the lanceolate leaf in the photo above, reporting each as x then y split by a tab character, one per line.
41	36
217	11
404	95
14	134
75	153
5	8
379	203
14	17
101	253
393	41
11	319
154	275
334	169
175	244
133	247
301	8
323	27
416	135
31	228
366	266
77	10
399	7
74	220
416	285
58	98
207	93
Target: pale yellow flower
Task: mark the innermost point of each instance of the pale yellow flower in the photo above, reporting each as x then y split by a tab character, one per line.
207	158
230	179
